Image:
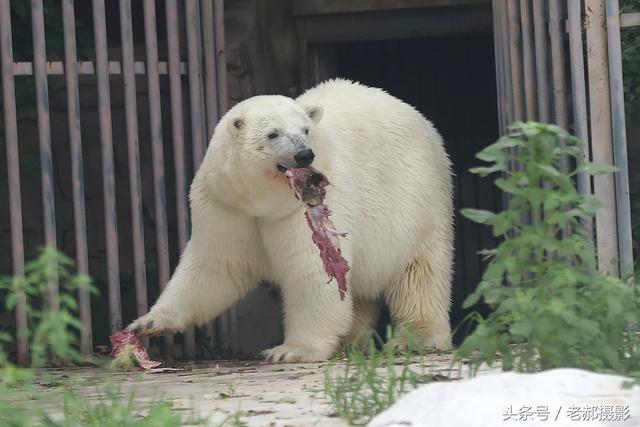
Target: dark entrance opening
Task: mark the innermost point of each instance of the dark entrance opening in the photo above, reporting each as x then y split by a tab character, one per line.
451	80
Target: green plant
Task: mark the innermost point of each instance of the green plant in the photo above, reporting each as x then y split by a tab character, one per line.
54	330
370	382
54	337
550	307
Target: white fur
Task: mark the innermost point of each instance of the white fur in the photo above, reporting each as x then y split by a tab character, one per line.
391	192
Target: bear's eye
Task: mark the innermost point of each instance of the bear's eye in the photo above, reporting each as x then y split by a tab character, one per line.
306	131
272	135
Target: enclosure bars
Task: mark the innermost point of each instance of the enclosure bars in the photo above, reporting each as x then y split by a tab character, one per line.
208	43
604	134
13	169
133	157
77	173
44	139
623	203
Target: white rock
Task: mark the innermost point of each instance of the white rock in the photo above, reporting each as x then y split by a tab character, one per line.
559	397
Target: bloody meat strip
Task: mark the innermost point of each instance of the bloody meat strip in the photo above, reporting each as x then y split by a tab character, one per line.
308	186
126	345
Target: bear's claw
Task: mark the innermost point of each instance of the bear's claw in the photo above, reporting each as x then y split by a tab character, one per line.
160	324
291	353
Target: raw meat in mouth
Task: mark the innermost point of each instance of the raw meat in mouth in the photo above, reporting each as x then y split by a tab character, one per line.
308	185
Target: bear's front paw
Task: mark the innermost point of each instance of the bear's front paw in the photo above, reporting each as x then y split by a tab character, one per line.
155	323
291	353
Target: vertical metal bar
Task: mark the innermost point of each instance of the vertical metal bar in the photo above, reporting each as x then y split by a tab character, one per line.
515	59
77	174
44	139
211	99
221	62
529	66
542	68
133	150
160	197
601	138
108	174
192	17
195	82
558	72
177	128
229	321
13	170
210	53
578	89
497	51
506	63
558	78
623	204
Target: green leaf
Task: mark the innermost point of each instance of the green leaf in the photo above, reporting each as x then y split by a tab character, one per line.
595	168
484	171
477	215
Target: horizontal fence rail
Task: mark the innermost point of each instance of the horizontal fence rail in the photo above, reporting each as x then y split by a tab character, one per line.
89	68
195	76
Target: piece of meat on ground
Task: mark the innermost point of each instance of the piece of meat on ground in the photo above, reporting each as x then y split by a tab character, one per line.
127	351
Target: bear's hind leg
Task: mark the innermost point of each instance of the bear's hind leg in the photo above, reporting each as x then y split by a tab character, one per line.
420	297
365	315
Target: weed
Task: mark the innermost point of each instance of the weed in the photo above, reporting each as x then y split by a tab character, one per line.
369	383
54	337
550	306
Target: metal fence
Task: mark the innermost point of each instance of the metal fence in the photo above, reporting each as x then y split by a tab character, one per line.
205	69
585	94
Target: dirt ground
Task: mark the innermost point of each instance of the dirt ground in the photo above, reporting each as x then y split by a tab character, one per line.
266	395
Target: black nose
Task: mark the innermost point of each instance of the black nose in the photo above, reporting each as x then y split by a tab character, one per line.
304	157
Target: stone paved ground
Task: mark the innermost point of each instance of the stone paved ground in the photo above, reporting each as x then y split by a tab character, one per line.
267	395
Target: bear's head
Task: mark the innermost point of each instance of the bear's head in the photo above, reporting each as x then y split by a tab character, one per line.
256	142
274	131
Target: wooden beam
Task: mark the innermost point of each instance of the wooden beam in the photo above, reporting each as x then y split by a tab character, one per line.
323	7
397	24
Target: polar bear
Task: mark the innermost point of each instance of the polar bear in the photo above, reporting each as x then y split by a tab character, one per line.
391	192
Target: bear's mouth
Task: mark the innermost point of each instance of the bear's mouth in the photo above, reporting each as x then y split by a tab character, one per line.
281	168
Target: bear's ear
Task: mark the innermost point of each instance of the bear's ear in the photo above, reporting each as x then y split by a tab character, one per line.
235	124
314	113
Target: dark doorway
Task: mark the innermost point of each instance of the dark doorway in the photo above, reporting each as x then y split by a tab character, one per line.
451	80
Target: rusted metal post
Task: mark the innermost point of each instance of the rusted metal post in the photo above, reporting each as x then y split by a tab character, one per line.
44	140
542	69
229	320
77	174
177	128
529	65
601	138
13	170
506	63
210	74
133	151
210	98
558	71
623	204
221	62
108	174
497	51
515	59
160	197
578	90
195	82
